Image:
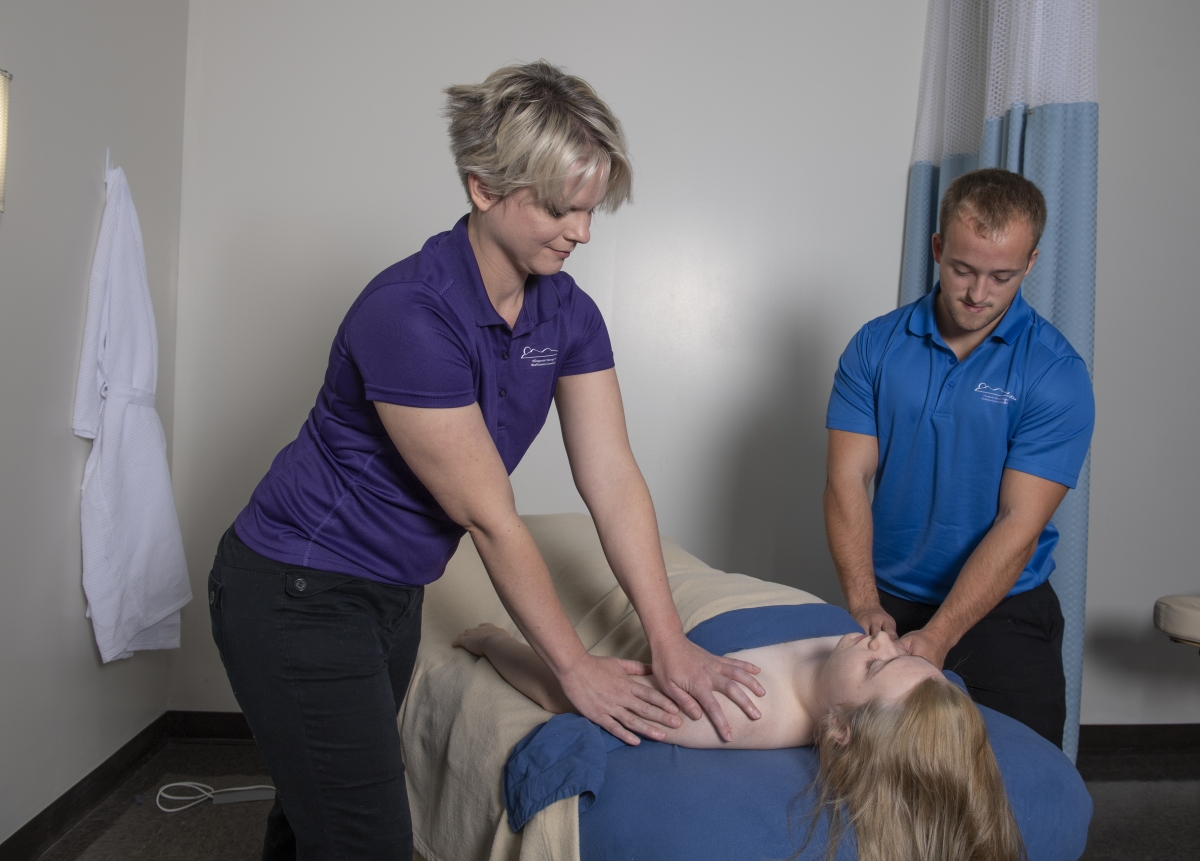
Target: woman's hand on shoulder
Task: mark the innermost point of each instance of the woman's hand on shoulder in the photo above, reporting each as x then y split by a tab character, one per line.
689	675
603	692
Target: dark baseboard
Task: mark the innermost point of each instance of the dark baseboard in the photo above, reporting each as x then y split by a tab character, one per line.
41	832
208	726
1139	738
1139	752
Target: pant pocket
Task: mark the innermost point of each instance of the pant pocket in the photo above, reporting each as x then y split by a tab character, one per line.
310	582
215	595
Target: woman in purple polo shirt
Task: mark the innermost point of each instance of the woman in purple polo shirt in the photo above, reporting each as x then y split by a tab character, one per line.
440	377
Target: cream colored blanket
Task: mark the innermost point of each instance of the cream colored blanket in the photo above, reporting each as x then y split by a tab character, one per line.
460	719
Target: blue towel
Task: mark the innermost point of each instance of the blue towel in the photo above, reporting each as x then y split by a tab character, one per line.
565	756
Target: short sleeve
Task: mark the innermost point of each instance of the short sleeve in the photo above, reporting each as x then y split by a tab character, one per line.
590	349
1055	429
852	401
410	348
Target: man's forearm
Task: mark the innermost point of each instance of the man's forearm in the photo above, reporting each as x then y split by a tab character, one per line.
989	573
1025	506
850	532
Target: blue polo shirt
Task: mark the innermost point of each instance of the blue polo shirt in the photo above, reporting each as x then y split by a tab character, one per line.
947	430
422	334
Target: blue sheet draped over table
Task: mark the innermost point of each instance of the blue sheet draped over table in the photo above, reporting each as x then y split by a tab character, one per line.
671	803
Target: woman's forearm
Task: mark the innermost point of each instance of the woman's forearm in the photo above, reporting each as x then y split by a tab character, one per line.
628	529
607	477
525	587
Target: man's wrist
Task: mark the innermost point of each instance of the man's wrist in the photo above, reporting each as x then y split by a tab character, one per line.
864	608
940	635
862	595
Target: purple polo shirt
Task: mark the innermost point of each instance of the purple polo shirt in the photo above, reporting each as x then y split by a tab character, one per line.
422	334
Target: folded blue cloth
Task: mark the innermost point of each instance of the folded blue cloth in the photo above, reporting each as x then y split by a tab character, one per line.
565	756
671	803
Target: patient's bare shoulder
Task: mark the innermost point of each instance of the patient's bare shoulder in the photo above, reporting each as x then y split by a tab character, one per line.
784	722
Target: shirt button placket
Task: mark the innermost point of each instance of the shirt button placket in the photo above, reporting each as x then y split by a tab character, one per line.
502	376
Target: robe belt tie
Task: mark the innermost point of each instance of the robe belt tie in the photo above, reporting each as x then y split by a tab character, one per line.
115	391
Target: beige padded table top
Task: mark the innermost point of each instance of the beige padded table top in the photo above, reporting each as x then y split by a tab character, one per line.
1178	616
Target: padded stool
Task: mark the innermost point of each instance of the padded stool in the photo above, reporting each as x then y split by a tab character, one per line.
1178	616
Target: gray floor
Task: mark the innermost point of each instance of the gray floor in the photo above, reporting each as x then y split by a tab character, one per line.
1146	807
1138	819
128	826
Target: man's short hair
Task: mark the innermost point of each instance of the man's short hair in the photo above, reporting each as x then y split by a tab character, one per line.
535	126
990	200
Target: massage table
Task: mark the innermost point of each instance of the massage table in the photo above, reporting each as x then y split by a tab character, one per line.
460	720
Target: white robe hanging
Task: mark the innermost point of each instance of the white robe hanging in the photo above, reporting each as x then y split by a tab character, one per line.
134	573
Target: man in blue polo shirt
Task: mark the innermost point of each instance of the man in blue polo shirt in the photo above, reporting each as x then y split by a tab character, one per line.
972	414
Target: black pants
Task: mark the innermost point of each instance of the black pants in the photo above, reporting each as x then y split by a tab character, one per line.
1011	660
319	663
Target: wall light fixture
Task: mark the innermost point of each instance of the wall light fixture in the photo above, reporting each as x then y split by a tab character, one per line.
5	77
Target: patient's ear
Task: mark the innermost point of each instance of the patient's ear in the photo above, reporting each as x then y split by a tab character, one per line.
839	729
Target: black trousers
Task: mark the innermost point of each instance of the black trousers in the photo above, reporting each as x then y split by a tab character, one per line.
319	663
1011	660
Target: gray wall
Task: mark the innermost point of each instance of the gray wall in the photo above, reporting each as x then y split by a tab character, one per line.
1145	464
770	145
87	76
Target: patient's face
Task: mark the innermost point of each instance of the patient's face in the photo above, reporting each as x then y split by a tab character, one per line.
864	668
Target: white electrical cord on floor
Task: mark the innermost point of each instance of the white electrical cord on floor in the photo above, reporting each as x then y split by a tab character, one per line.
200	792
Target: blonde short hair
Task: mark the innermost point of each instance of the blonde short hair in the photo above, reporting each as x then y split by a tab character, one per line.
535	126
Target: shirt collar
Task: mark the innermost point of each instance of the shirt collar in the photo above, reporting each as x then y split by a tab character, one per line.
923	322
541	298
1014	321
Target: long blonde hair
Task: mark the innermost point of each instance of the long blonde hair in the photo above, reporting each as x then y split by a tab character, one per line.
916	779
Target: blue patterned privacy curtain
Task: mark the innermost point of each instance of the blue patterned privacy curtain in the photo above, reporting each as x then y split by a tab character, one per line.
1012	84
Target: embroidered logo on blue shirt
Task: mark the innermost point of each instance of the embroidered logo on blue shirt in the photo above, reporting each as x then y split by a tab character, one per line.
995	394
538	358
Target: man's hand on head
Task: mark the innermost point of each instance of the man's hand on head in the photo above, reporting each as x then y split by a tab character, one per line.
926	645
874	619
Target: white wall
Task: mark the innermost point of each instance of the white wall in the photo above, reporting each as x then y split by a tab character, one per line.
86	77
1145	465
770	144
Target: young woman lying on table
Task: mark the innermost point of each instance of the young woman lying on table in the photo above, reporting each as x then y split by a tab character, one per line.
904	753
